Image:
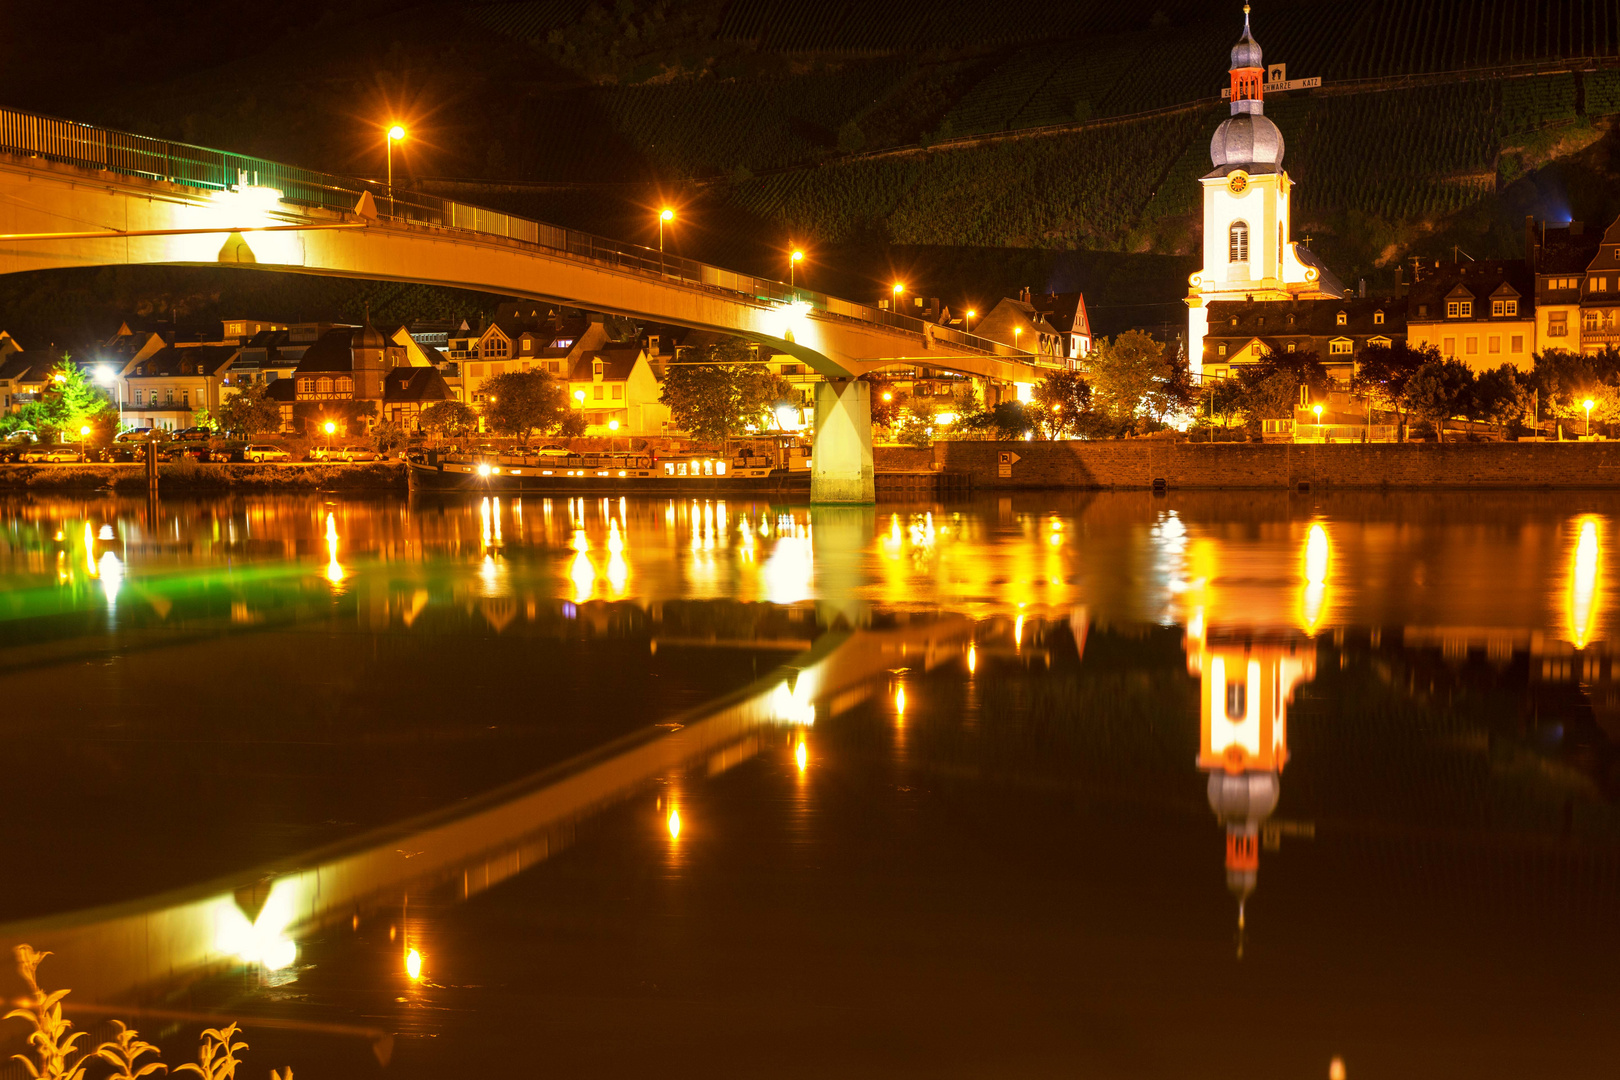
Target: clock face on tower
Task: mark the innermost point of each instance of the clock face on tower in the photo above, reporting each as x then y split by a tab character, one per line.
1238	183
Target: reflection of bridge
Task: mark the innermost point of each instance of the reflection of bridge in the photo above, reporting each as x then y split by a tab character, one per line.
75	195
255	916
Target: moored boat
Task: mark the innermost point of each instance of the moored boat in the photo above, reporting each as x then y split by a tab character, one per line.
783	468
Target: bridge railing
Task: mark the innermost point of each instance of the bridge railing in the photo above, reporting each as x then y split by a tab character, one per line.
122	152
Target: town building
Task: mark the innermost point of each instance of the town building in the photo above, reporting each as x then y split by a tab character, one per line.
1248	198
1600	300
1242	332
1022	325
167	388
1558	257
620	395
1066	314
1482	313
23	373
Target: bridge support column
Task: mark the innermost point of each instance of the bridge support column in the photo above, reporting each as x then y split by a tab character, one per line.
841	460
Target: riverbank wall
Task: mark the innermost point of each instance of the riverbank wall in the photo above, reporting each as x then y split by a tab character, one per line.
1140	463
184	477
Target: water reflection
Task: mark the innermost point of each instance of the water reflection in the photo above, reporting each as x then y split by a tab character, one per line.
1583	582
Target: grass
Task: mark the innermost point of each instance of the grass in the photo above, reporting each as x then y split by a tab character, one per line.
191	476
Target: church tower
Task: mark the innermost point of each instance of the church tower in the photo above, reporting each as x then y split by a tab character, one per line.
1247	196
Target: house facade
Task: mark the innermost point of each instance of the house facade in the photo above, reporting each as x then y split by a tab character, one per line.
1482	313
168	387
1336	330
1600	298
616	389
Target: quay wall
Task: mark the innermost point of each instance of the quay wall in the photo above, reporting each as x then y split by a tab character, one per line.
1137	463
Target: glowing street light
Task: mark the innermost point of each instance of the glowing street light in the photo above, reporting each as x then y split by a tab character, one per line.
1018	332
579	396
1317	409
395	133
794	259
1587	405
971	315
330	428
665	216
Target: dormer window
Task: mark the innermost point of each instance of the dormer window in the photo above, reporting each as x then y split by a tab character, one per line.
1378	318
1459	309
1500	308
596	367
1293	346
1237	242
1343	319
1234	320
1290	320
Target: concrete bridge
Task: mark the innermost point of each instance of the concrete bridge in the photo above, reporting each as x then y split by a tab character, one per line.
76	195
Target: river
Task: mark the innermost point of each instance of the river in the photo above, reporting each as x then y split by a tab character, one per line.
1215	784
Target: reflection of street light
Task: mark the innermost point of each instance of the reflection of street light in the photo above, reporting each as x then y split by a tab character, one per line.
1587	405
665	216
794	260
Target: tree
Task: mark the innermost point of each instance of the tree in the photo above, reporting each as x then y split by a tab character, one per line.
885	401
1062	405
249	412
524	402
917	427
451	419
1439	390
1502	396
721	395
69	402
1133	377
389	435
1382	372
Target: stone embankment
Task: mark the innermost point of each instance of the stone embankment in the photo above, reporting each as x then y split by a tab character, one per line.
1139	463
181	477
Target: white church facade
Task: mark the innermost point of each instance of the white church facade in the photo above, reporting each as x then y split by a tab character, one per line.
1248	255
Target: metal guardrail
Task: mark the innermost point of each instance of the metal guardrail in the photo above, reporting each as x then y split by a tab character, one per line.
91	147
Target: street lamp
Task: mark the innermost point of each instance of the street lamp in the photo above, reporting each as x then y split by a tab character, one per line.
330	428
1317	409
396	133
1018	331
899	291
971	315
1587	405
665	216
794	260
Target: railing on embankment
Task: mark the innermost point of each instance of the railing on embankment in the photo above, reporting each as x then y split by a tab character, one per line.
90	147
1139	463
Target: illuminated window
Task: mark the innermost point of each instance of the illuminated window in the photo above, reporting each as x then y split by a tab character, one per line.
596	367
305	386
1459	309
1220	350
168	395
1343	319
323	385
185	398
1340	347
1500	308
618	392
1558	324
1589	320
1599	284
1378	318
345	385
1292	346
1237	242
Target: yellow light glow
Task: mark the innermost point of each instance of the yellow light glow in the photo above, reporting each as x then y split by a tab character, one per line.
1587	404
1317	409
972	314
583	572
579	395
797	256
1318	555
973	659
330	427
887	396
1583	583
674	824
802	756
666	214
334	569
945	418
484	468
898	288
900	700
85	430
1018	631
413	964
613	425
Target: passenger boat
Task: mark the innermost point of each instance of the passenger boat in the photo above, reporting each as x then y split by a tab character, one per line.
761	466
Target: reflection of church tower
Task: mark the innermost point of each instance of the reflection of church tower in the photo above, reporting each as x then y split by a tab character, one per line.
1247	200
1245	688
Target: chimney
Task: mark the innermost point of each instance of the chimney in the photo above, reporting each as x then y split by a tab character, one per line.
1530	242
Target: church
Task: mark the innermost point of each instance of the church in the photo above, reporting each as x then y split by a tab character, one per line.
1248	255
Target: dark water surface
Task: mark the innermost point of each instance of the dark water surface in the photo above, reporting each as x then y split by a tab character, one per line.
1202	785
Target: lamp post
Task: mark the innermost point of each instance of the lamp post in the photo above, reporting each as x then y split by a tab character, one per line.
665	216
794	260
1018	332
971	315
330	428
396	133
84	437
1587	405
1317	409
899	290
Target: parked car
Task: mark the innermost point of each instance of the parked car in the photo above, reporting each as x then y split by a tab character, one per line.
358	453
265	452
325	453
51	453
194	434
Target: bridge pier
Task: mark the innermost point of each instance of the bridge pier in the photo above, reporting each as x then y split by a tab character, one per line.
841	461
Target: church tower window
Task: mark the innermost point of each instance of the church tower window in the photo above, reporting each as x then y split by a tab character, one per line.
1237	242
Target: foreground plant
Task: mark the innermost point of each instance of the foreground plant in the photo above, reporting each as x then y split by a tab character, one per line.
55	1043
